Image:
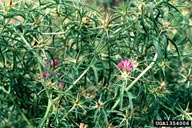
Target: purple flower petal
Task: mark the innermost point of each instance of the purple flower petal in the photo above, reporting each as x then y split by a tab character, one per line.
46	74
125	65
61	84
55	63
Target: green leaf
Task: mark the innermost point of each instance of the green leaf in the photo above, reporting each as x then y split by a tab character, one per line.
157	46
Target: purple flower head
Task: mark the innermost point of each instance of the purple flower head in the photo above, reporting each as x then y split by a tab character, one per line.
46	74
53	63
125	65
61	84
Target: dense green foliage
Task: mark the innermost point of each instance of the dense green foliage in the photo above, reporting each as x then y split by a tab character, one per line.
89	43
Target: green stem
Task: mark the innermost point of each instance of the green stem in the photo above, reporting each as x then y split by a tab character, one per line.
46	113
120	98
122	93
78	78
142	73
85	71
